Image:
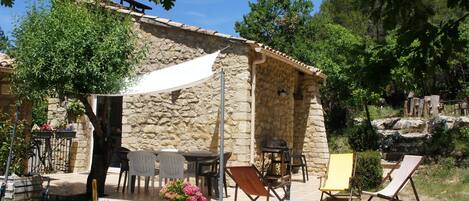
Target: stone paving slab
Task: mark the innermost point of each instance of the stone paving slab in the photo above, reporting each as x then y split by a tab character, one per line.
75	183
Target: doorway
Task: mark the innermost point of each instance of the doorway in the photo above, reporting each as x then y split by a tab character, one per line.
111	115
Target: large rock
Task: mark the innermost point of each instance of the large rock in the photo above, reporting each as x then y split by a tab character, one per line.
388	132
461	122
447	120
386	123
411	124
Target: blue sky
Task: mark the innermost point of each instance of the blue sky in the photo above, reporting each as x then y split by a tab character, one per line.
219	15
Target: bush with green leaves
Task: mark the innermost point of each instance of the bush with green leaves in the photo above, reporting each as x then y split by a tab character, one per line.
75	109
21	149
39	112
368	171
4	43
338	144
446	142
363	138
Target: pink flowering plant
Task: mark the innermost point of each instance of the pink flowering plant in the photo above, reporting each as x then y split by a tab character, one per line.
181	191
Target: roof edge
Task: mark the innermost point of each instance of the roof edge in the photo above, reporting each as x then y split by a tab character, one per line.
158	21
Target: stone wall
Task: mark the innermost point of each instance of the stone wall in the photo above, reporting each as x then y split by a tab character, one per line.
296	118
188	119
7	101
274	113
407	135
81	144
315	142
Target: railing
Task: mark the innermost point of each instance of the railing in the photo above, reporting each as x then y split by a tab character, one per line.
51	152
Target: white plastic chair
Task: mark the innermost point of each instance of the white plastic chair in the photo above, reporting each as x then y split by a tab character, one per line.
142	163
171	166
190	172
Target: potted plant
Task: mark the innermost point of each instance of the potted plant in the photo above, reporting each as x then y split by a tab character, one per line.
75	109
181	191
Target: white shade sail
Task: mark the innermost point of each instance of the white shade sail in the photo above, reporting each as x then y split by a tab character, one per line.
172	78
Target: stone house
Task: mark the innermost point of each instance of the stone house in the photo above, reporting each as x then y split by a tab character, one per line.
268	95
6	99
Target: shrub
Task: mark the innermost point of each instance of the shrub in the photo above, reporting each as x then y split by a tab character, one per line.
21	149
461	145
368	172
465	179
338	144
464	163
441	142
446	142
39	112
75	109
363	138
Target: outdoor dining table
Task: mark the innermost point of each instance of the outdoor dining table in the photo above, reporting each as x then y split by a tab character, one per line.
196	157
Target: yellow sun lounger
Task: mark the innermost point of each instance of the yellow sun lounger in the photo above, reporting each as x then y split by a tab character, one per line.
340	171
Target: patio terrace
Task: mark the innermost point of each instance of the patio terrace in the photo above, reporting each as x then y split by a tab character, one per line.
75	183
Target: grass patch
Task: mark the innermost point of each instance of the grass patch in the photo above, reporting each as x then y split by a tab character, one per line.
377	112
444	181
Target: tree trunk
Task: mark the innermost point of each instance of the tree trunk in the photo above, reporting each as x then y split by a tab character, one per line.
368	117
102	151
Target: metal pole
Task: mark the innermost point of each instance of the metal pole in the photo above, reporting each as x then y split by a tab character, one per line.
10	153
222	134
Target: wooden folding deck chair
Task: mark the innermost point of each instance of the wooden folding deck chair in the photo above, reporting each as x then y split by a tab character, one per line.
250	180
340	170
399	177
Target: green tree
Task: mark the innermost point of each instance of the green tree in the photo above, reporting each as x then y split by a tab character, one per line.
6	3
338	52
4	44
74	50
417	40
275	22
427	42
21	148
353	15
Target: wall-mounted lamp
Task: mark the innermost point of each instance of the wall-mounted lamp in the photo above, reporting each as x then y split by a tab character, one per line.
282	93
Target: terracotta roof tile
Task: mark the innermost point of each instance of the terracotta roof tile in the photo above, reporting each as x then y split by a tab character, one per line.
254	44
207	31
162	20
150	17
190	28
175	24
223	35
125	11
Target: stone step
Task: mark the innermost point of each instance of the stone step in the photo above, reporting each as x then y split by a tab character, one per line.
388	164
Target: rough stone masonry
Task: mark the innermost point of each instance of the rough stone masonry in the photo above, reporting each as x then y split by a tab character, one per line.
188	119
